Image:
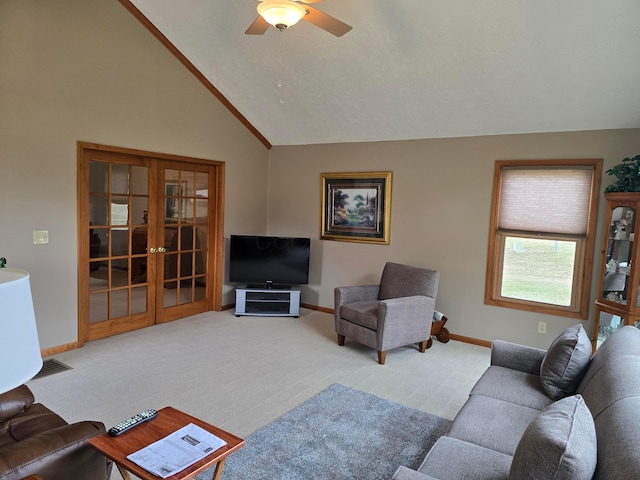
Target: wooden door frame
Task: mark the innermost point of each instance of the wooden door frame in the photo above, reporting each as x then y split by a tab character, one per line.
215	257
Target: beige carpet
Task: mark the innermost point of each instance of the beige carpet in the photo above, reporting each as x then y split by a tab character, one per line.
242	373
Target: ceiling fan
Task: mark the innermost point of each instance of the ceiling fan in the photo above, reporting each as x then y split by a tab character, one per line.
285	13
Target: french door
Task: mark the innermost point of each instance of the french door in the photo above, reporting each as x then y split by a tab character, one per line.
150	238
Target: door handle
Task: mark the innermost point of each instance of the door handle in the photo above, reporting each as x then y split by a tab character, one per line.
153	250
162	250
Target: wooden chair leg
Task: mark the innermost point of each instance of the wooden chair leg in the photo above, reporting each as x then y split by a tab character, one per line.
382	357
340	340
425	344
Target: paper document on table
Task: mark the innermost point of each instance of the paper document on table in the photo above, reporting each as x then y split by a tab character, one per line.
177	451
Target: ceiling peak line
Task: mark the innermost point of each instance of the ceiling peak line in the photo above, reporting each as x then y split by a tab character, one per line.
194	70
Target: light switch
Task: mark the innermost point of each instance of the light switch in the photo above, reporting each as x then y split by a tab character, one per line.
40	237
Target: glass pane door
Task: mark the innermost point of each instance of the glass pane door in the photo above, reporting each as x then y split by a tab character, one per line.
619	251
608	323
184	239
120	297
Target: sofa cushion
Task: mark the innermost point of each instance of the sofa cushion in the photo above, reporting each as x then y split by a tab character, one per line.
404	473
565	363
513	386
611	390
559	443
618	433
453	459
492	423
613	369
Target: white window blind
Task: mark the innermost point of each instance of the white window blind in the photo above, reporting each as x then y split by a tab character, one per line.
545	200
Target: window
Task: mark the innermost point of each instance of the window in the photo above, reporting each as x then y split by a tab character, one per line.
541	236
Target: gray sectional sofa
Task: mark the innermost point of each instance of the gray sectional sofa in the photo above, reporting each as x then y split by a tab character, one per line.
556	414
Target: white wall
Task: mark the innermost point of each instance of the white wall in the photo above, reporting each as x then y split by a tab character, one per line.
87	70
440	208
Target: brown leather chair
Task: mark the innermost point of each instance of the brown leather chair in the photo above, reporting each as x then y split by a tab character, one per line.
397	312
36	441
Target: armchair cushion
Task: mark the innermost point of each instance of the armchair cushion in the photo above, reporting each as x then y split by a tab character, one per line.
363	313
406	281
61	454
565	363
39	419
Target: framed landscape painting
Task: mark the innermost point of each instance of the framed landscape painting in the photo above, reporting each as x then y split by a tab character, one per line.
356	207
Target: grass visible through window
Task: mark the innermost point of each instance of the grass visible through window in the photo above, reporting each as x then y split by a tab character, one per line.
538	270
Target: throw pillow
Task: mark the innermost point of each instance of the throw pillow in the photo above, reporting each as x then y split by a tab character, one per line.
558	443
565	363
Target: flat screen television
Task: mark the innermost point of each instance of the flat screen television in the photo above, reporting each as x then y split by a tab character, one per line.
271	262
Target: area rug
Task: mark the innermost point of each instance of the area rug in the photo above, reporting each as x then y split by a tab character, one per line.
340	433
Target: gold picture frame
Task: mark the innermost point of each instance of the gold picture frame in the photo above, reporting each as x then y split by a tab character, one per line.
356	207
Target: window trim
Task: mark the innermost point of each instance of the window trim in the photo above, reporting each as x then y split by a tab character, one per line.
579	307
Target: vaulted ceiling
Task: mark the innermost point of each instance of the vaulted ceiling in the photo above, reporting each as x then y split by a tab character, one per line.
415	69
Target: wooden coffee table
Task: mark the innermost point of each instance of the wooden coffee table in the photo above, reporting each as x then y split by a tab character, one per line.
168	421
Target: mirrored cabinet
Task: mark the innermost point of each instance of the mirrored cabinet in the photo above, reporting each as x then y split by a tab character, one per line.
618	302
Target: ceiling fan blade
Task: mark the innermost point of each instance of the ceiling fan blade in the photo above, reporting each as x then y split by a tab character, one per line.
326	22
258	27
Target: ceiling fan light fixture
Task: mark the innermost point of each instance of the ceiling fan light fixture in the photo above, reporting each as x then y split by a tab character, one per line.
281	14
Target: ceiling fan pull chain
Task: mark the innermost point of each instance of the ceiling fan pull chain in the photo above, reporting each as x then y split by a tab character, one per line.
280	83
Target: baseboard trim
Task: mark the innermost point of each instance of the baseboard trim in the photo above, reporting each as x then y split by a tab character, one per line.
318	308
47	352
471	340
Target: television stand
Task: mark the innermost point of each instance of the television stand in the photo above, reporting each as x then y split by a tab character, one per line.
268	302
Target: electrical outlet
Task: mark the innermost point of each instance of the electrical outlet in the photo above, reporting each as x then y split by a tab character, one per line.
542	327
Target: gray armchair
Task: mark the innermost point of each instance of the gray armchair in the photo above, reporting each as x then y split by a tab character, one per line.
396	313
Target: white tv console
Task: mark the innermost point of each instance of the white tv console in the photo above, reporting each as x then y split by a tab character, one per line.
268	302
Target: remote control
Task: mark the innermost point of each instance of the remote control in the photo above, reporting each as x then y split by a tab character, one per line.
129	423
